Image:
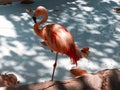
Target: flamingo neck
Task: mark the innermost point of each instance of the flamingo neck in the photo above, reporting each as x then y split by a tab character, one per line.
38	30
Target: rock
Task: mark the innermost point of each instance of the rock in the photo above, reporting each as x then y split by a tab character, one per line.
5	2
103	80
27	1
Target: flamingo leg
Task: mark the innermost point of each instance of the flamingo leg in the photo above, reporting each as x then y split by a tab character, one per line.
54	66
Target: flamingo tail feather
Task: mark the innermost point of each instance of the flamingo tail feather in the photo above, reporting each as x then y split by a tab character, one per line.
75	53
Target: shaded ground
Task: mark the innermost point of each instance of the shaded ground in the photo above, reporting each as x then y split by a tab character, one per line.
93	23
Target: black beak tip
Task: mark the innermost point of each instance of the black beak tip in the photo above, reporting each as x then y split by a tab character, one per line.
34	19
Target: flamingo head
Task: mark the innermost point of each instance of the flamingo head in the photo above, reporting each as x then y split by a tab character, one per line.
40	10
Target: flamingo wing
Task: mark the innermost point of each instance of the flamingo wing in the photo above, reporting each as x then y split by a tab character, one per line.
60	40
57	38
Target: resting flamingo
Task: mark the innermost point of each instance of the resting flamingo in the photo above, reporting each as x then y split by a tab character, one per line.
57	38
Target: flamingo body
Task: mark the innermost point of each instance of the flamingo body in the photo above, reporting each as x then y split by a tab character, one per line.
60	40
56	37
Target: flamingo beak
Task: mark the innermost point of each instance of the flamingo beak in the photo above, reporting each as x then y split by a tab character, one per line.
34	19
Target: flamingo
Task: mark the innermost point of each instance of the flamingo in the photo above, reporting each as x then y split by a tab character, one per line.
57	38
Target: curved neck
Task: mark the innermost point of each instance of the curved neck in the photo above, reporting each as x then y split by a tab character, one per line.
45	17
38	30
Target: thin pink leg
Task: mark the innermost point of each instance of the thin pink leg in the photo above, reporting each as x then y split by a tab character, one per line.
54	66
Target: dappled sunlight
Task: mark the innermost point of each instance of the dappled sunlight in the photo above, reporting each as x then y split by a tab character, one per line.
108	50
16	47
90	66
111	43
15	18
109	1
93	23
97	52
45	61
109	63
6	26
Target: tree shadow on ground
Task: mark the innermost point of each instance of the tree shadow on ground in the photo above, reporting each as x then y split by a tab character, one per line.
92	23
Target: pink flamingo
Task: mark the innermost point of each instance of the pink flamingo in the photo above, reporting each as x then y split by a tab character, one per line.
57	38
